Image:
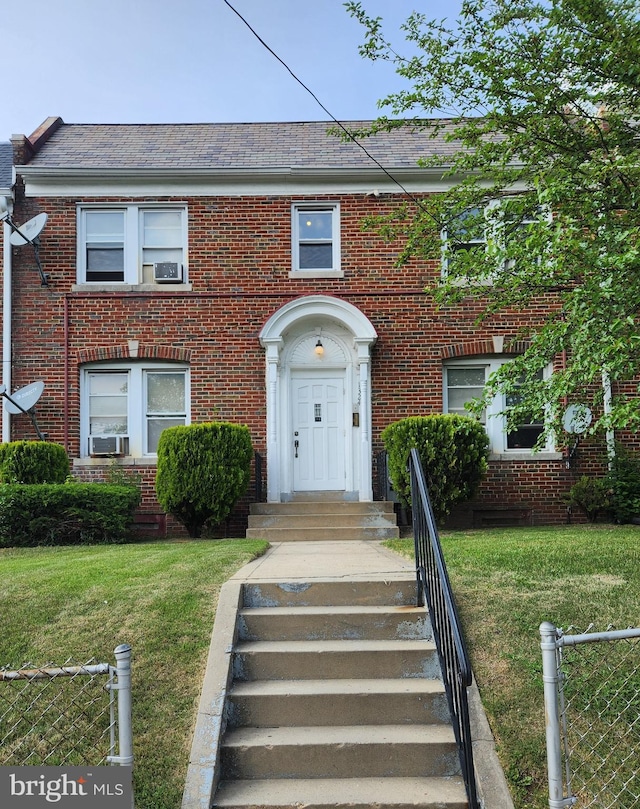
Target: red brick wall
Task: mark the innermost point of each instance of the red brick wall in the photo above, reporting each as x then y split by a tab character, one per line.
239	264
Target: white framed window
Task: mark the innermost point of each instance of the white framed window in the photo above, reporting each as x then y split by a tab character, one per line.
132	244
466	234
316	239
124	407
464	381
497	229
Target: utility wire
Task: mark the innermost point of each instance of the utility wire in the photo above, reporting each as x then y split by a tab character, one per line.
333	118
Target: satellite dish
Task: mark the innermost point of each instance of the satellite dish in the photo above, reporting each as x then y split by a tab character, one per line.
29	232
25	397
577	418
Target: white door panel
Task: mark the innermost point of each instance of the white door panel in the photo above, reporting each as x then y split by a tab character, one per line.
318	434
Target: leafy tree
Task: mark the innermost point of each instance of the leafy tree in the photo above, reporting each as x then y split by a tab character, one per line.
202	470
542	106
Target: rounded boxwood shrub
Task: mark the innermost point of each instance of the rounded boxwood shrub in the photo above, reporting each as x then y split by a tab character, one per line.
202	471
453	451
33	462
593	496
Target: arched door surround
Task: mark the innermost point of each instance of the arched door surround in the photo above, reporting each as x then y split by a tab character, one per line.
318	358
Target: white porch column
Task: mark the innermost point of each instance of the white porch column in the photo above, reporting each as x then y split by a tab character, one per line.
273	398
366	482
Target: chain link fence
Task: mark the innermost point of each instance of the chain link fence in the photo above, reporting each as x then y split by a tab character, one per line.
73	715
592	706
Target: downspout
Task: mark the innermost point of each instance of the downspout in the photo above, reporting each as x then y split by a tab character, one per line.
66	374
607	406
6	205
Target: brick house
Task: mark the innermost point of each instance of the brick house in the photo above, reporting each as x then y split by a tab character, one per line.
221	272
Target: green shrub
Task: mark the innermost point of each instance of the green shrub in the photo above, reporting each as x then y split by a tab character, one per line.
66	514
33	462
624	482
202	470
453	450
592	495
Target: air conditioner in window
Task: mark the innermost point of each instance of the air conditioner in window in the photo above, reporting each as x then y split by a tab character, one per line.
167	272
100	445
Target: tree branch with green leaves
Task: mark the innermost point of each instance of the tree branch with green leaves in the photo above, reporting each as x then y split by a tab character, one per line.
541	101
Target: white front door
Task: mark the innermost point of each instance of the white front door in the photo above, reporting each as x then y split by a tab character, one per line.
318	440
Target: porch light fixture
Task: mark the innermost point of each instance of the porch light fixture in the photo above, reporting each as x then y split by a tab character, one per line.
319	349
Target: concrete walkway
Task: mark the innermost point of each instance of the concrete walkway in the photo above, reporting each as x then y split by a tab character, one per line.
353	559
290	561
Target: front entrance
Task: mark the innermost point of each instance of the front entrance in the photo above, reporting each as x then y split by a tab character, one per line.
318	433
318	425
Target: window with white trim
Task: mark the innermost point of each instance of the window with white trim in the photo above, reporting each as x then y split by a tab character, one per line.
126	406
316	238
465	235
464	381
498	228
131	244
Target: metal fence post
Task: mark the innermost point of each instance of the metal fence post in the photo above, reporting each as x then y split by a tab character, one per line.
125	734
548	635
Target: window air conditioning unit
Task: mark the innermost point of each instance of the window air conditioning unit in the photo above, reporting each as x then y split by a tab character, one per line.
167	272
100	445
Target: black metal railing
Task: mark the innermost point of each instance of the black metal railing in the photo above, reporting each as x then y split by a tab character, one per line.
434	589
382	477
259	489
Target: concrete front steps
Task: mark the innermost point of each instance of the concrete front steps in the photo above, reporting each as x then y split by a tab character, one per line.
313	519
336	701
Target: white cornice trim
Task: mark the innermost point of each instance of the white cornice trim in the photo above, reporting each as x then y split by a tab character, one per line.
64	182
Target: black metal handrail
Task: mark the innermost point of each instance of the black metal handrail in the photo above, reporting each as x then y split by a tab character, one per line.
258	493
434	589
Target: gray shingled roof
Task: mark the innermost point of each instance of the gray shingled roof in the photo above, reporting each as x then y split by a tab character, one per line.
6	163
229	146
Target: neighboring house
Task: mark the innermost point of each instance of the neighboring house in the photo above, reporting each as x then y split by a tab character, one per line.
203	272
6	207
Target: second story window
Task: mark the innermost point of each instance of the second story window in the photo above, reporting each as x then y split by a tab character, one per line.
464	240
104	245
132	244
487	240
316	239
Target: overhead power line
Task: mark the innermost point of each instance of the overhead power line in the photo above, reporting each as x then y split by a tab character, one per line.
328	112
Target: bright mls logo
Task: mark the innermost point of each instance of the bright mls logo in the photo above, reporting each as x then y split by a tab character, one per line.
66	787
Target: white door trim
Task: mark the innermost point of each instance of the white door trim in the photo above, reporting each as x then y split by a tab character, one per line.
288	338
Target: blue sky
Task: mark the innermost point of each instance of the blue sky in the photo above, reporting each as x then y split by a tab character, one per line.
152	61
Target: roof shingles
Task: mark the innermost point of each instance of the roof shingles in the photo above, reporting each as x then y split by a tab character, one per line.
230	146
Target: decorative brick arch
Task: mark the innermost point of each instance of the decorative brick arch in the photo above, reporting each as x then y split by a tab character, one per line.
492	345
133	350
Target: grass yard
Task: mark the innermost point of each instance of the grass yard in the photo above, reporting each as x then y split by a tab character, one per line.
506	583
160	598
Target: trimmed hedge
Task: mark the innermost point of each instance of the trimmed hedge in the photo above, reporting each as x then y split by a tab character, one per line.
33	462
624	482
454	452
68	514
202	470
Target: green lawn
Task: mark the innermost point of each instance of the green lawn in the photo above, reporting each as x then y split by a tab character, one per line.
159	597
506	583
